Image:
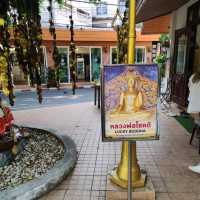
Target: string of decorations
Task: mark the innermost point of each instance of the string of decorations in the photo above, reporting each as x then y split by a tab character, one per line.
123	37
22	19
34	48
27	42
56	55
6	78
72	55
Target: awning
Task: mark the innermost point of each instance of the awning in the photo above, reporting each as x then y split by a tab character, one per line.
89	35
149	9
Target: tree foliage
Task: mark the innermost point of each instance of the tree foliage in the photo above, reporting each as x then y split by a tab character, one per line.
23	18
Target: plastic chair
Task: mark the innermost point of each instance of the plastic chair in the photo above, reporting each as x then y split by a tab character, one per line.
165	97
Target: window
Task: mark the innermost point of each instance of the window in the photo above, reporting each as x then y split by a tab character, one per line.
181	47
95	63
102	9
122	7
18	74
82	12
196	65
140	54
63	69
44	67
100	25
113	55
199	12
193	15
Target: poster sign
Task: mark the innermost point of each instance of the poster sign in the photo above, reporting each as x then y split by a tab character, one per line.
129	102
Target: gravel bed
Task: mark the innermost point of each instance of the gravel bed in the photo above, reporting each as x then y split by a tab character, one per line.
41	153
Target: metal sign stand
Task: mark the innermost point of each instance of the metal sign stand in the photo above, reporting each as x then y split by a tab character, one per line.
131	60
129	171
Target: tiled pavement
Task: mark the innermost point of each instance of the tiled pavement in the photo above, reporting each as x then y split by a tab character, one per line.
166	160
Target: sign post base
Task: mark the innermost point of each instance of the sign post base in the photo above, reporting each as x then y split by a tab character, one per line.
114	192
124	184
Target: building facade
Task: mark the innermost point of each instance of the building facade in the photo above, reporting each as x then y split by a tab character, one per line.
185	32
103	12
81	12
93	48
185	40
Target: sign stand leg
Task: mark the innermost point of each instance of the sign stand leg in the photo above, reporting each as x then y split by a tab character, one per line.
129	171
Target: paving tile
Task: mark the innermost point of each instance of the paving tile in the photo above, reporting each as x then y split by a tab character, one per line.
166	160
77	195
77	183
163	160
169	171
98	195
162	196
159	185
196	185
179	185
152	171
182	196
56	195
84	170
101	170
99	183
198	196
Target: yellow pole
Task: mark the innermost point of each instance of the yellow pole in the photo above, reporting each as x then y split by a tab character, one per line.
131	32
120	175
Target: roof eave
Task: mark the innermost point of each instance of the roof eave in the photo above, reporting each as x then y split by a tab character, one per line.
149	9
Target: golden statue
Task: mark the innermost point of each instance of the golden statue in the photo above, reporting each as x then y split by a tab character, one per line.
131	109
131	100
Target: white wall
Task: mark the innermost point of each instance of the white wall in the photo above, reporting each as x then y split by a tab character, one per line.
112	6
181	15
111	9
62	13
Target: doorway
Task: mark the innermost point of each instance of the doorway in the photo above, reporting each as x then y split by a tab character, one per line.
96	60
196	65
83	63
186	60
179	73
63	69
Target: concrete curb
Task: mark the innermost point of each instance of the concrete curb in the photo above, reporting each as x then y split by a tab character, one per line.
46	89
39	186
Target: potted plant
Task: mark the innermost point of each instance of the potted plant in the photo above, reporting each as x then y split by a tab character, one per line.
164	40
51	78
161	61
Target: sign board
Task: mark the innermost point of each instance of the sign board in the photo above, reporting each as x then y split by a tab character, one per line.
129	102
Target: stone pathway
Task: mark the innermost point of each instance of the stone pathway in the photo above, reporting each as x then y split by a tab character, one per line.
166	160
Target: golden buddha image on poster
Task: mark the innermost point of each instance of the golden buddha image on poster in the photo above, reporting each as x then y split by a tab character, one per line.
130	96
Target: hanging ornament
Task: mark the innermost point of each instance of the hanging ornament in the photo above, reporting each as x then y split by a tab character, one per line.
72	49
23	16
123	38
6	77
3	73
2	22
56	55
